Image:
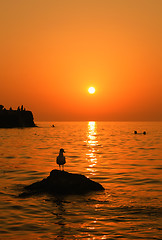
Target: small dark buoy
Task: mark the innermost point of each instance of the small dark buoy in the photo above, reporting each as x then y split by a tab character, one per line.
53	125
144	132
135	132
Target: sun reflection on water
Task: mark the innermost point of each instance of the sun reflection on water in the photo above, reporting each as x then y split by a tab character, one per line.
92	142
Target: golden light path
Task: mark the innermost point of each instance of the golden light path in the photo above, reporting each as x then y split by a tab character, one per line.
92	143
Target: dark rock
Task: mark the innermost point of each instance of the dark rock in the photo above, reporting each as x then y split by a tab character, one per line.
61	182
16	118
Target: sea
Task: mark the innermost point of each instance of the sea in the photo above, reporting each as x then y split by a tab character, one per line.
128	165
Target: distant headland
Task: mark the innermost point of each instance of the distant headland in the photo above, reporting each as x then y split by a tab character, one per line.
16	118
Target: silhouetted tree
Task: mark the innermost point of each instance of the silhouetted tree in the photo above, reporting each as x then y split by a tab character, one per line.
18	109
22	107
10	109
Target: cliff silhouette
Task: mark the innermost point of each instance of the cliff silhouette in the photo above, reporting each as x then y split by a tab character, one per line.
16	118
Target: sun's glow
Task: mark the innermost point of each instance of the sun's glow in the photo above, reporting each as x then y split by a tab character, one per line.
91	90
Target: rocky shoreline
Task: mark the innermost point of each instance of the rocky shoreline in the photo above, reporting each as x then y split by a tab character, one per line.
19	118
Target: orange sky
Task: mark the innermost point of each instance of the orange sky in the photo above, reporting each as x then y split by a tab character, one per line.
52	51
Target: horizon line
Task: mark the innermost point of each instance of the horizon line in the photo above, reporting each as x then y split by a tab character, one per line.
98	120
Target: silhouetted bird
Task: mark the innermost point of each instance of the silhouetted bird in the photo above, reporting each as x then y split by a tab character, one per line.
61	159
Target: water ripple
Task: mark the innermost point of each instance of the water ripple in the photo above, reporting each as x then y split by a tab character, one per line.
128	166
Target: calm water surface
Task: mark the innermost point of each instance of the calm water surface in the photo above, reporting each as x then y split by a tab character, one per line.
127	165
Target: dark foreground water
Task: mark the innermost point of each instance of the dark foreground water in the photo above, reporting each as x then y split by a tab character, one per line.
127	165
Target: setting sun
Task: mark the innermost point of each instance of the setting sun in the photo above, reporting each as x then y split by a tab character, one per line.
91	90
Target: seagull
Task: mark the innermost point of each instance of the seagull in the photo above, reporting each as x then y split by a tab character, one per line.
61	159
